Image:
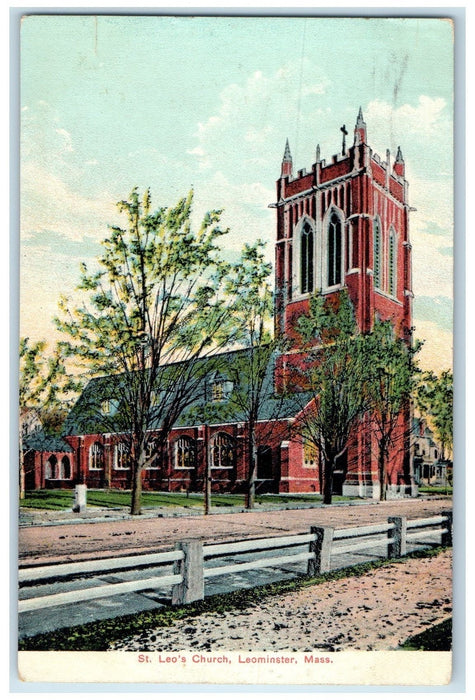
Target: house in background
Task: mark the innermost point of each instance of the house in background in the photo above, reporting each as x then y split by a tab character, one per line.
343	225
428	466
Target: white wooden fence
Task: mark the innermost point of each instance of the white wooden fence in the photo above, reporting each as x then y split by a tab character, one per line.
193	562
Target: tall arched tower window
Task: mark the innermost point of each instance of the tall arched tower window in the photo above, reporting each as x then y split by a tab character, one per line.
377	249
334	250
392	263
306	259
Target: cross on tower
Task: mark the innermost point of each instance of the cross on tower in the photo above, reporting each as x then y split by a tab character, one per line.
345	133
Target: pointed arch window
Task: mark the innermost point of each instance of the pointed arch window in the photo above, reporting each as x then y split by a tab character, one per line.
185	453
152	454
65	469
222	451
96	457
392	263
122	459
306	259
377	250
334	250
51	468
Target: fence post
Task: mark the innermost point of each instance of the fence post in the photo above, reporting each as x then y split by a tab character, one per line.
80	498
191	569
446	539
398	548
321	549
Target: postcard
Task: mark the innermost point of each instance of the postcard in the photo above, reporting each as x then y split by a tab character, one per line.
236	350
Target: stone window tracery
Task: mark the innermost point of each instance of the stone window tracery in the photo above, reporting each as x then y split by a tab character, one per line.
96	457
222	451
185	453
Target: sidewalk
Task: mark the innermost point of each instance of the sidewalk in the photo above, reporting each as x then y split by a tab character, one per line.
30	517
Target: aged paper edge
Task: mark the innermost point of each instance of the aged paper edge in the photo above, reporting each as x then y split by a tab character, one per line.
188	667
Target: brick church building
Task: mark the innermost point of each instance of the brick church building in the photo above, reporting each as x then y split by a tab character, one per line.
343	224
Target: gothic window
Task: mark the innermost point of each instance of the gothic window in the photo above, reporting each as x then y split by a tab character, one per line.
96	457
65	468
377	248
121	456
222	451
152	454
306	259
50	468
392	263
109	407
185	453
334	250
221	388
217	393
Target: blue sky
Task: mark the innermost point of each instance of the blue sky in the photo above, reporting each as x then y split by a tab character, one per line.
109	103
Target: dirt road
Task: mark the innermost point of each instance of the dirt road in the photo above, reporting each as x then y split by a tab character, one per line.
87	540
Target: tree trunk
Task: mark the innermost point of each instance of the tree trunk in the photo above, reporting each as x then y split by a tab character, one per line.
328	480
136	502
252	468
382	473
22	469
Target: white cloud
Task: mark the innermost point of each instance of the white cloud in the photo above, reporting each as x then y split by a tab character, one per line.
66	139
245	210
432	271
436	353
256	114
49	204
428	120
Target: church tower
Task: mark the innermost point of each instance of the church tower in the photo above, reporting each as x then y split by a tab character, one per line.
343	225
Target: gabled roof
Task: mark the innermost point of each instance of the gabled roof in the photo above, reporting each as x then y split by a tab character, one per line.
85	417
41	442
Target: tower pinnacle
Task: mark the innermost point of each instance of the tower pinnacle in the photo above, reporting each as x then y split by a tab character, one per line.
399	166
360	129
286	170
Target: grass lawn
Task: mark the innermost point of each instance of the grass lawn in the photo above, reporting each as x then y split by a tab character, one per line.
437	638
63	500
444	490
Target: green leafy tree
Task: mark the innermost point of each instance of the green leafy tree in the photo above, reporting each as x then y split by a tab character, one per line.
332	375
248	286
46	387
388	382
154	311
435	399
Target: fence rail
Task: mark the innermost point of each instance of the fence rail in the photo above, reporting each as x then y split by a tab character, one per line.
194	562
